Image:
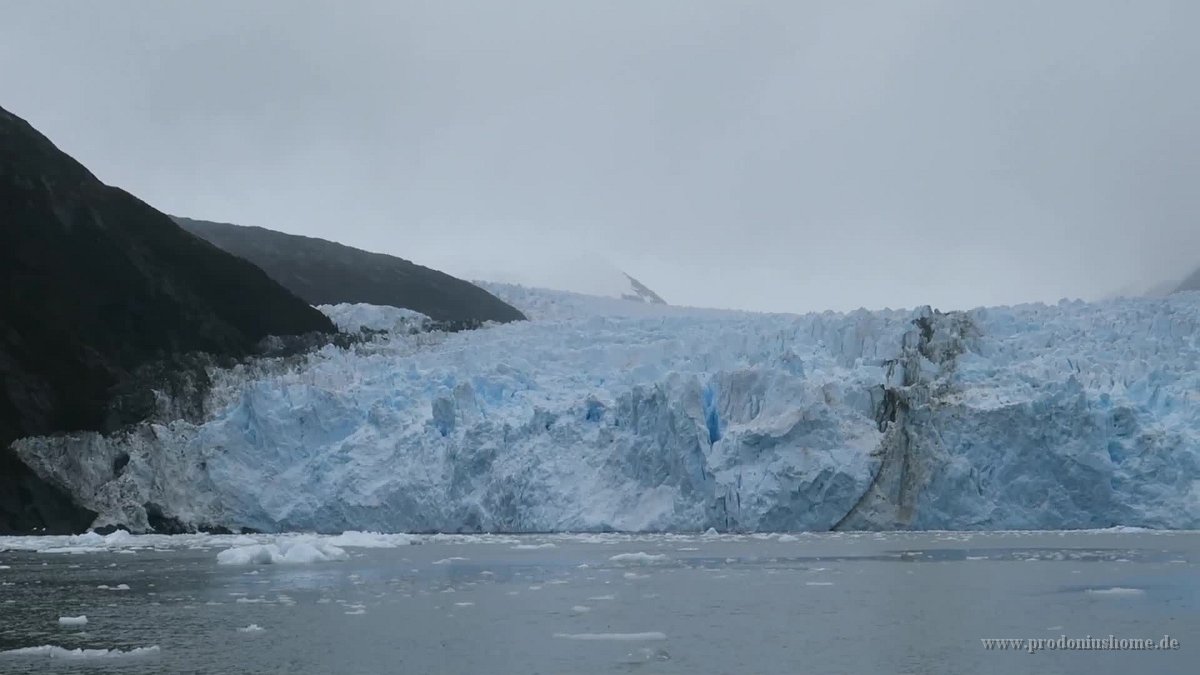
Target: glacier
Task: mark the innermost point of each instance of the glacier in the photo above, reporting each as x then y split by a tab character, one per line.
600	414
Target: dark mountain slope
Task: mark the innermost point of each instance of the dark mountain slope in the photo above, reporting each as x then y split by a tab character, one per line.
324	272
1192	283
96	283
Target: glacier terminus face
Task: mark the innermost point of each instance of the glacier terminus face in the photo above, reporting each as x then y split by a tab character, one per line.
602	414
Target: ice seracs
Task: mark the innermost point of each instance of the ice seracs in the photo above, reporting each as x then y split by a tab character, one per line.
601	415
355	317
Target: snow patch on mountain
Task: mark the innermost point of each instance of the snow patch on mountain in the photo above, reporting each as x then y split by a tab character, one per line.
601	414
589	275
545	304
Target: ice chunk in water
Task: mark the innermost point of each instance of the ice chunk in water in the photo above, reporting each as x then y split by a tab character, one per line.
356	539
1116	590
284	553
622	637
56	652
639	557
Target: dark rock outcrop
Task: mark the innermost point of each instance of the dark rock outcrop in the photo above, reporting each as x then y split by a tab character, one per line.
95	284
327	273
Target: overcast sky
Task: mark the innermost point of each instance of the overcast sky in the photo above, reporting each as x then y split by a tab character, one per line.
770	156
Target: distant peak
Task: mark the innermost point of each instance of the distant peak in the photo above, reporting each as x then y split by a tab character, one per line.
641	293
585	273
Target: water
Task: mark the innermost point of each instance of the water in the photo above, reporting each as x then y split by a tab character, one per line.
830	603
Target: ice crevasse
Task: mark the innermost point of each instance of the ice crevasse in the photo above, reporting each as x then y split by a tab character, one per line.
602	414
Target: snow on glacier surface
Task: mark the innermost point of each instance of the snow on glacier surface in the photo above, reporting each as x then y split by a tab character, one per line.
353	317
601	414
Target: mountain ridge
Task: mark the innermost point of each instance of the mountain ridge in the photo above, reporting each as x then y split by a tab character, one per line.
325	272
1191	283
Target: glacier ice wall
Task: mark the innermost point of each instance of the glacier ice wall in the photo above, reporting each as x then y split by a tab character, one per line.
609	415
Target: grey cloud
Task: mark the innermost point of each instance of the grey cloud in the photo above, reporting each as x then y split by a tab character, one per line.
775	156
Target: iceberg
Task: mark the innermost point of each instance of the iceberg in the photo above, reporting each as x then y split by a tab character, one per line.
604	415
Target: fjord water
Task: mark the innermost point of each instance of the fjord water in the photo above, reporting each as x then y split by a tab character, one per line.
830	603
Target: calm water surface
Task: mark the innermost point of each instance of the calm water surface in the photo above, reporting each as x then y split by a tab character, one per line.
830	603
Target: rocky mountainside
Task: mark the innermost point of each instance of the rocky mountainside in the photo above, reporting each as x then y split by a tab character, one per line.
327	273
96	284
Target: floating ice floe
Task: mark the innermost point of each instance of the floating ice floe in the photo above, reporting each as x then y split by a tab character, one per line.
622	637
1116	590
639	557
356	539
283	553
56	652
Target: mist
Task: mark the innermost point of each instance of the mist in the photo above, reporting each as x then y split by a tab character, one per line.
788	156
